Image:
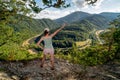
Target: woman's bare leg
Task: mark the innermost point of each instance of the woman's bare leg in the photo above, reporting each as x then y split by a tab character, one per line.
43	60
52	61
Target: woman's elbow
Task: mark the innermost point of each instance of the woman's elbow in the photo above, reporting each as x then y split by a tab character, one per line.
37	44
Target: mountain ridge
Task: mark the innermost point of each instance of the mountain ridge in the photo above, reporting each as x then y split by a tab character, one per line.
79	15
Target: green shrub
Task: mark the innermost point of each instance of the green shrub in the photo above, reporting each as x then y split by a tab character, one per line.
13	52
90	56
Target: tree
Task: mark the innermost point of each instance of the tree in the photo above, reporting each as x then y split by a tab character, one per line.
116	36
5	33
10	8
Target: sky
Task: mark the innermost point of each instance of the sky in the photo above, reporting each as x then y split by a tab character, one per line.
79	5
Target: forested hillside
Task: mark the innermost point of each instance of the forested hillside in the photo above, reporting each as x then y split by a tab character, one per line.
35	25
15	32
87	48
81	29
110	15
74	32
73	17
22	28
82	26
99	21
79	15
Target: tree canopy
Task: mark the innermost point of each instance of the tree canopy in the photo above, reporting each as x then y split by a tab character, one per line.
10	8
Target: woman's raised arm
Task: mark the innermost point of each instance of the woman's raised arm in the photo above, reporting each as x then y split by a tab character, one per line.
58	30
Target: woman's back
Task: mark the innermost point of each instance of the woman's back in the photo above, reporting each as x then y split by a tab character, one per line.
48	42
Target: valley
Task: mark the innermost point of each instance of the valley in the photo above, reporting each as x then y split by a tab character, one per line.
97	34
86	40
84	32
29	41
79	44
83	44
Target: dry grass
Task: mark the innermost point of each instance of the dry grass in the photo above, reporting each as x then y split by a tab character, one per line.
83	44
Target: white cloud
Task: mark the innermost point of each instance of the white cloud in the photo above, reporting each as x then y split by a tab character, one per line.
51	14
113	10
82	4
79	3
117	10
98	4
54	14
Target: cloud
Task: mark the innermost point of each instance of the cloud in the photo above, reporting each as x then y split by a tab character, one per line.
51	14
98	4
113	10
79	3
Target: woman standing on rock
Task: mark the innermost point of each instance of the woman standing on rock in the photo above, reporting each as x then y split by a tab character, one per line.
48	47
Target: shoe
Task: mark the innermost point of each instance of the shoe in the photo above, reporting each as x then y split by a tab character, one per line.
41	65
52	68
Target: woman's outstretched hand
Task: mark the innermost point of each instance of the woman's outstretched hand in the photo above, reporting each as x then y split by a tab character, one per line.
58	30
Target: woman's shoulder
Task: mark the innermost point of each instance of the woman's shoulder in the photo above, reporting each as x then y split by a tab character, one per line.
42	37
50	36
47	37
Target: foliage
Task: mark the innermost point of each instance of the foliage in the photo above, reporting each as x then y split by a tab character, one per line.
62	3
95	55
73	17
34	25
19	29
5	33
82	27
10	8
10	43
74	32
91	1
101	22
14	52
55	3
116	36
13	35
62	43
108	37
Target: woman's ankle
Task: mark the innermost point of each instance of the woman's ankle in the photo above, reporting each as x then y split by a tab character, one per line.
41	65
52	68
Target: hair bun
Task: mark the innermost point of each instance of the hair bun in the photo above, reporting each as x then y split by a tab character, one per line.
47	29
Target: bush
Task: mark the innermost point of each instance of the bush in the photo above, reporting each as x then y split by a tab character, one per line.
90	56
13	52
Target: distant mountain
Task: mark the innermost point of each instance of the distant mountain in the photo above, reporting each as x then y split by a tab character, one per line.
26	27
34	25
75	16
75	32
79	15
110	15
82	26
99	21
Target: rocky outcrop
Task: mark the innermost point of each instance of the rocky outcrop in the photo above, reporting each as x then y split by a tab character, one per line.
31	70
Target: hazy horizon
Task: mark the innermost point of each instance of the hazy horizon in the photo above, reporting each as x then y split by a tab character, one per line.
73	12
79	5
